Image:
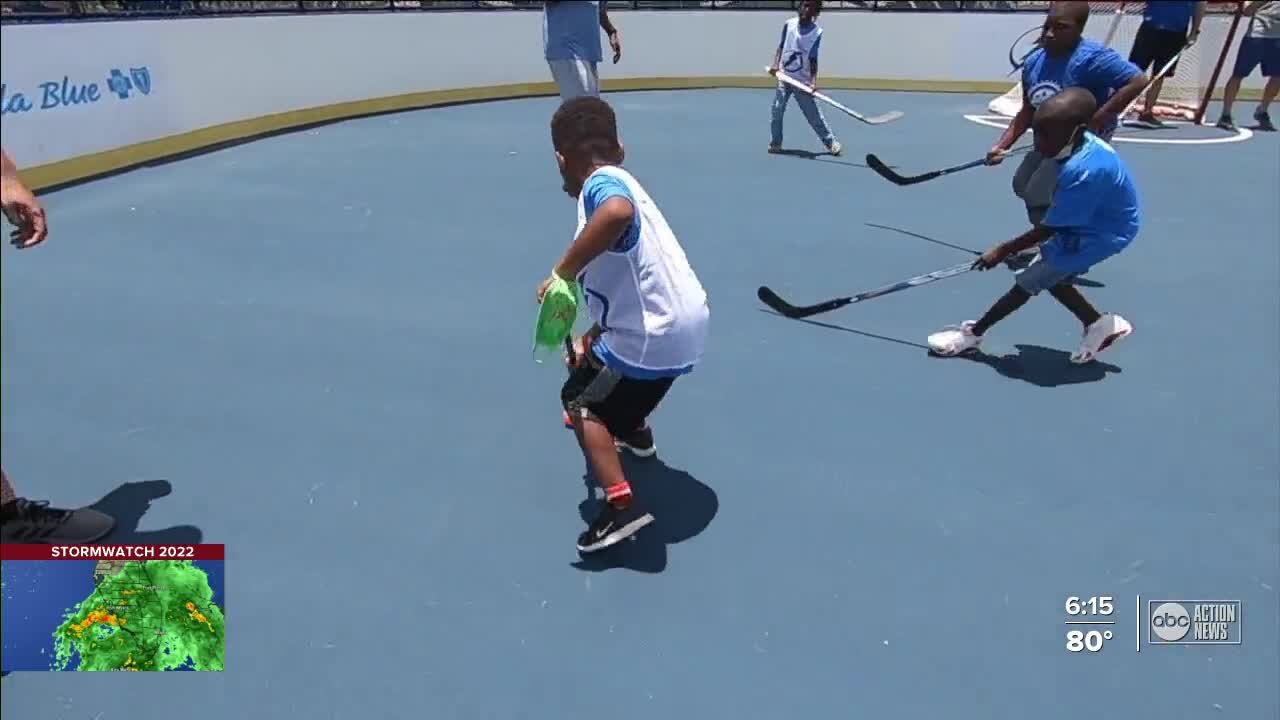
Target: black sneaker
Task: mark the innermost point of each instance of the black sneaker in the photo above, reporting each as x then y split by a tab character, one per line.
612	526
1264	121
1150	120
639	443
24	521
1226	123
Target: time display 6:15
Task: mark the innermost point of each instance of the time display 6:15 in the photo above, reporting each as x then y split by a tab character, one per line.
1095	605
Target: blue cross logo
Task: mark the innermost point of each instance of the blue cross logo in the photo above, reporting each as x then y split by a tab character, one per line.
119	84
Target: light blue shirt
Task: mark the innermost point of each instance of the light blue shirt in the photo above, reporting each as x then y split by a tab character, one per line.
1092	66
599	188
1095	209
1171	15
571	31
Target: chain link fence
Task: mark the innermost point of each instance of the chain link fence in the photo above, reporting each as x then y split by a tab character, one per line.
38	10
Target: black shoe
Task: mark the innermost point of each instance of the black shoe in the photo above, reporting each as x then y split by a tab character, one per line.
639	443
1226	123
24	521
612	526
1150	120
1264	121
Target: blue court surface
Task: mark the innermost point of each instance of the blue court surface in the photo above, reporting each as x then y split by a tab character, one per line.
315	348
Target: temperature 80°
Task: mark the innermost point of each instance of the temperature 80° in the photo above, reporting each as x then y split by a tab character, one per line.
1091	640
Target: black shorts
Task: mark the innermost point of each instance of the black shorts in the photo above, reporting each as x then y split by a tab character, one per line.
621	403
1153	47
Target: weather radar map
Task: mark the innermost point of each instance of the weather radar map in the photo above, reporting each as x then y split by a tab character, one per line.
140	608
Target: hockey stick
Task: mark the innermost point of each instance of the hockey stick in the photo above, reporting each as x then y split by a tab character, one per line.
1147	88
874	120
1017	64
771	298
888	173
1013	262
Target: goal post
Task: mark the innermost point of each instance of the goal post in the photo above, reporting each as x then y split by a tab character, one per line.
1188	92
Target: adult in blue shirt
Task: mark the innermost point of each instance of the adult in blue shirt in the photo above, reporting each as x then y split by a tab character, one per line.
1167	27
1094	215
1065	59
571	43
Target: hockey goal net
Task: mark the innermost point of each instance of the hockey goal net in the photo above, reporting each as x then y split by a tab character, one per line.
1185	95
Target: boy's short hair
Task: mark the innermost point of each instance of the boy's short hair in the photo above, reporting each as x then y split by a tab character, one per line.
586	125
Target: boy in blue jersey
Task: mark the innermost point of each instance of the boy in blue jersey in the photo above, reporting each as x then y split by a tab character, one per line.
797	57
1094	215
650	310
571	43
1167	27
1066	59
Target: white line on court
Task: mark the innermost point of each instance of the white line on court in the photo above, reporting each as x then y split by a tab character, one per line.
1001	122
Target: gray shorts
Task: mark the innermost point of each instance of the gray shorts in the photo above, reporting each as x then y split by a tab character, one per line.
1034	181
1040	275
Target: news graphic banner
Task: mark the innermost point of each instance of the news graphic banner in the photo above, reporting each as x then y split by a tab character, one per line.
140	608
1094	621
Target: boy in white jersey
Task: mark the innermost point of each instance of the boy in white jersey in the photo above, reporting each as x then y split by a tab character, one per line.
797	57
649	308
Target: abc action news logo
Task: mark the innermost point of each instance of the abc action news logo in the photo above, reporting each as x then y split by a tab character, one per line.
1193	622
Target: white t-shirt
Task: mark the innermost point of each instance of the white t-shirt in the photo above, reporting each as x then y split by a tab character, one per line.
1266	22
642	291
799	49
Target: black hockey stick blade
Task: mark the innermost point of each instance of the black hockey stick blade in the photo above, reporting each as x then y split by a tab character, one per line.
795	312
786	309
889	174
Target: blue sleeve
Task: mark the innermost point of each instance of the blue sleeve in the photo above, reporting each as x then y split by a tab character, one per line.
813	54
1074	200
1111	71
596	191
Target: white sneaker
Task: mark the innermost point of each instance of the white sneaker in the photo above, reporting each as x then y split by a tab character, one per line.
955	339
1107	331
836	148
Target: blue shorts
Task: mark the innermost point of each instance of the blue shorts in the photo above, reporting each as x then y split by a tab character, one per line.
1040	275
1256	51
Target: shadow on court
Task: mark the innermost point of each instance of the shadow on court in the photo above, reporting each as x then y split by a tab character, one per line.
1042	366
842	328
129	502
681	506
824	157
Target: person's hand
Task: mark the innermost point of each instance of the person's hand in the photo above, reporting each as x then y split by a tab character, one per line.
991	258
24	211
580	347
542	286
615	42
1100	122
996	155
773	69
